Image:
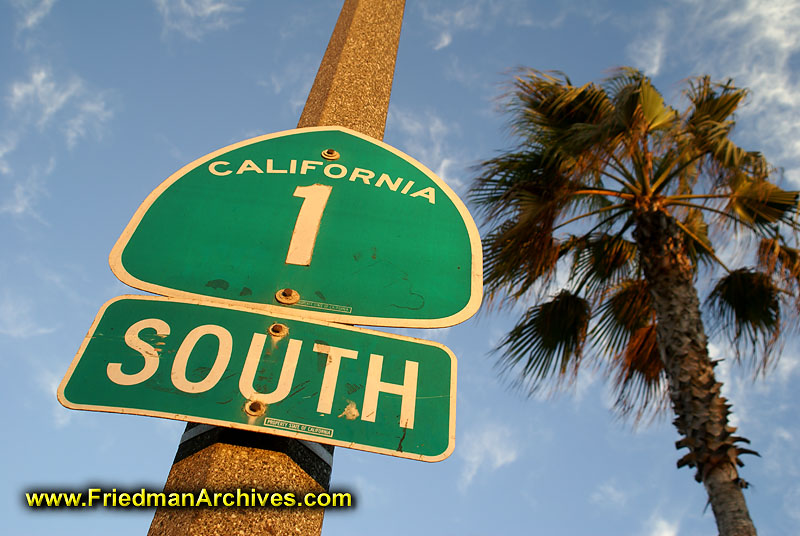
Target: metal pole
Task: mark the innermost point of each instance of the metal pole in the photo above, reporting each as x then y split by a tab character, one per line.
352	89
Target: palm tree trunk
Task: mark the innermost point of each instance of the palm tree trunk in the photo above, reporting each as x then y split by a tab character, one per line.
701	412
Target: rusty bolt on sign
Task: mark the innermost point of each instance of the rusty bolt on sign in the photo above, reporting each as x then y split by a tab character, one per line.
287	296
330	154
255	408
278	330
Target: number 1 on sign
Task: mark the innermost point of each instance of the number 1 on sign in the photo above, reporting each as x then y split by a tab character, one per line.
301	246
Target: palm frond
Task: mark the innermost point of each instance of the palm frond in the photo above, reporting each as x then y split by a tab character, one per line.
699	247
548	104
625	97
576	123
627	308
621	79
626	331
783	263
547	343
603	261
657	115
638	377
713	100
710	123
775	257
515	261
504	178
746	307
762	203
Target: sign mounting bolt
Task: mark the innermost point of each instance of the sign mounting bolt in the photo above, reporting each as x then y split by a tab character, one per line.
278	330
256	408
287	296
330	154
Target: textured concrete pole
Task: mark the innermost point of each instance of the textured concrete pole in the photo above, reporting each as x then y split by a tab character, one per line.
354	80
352	89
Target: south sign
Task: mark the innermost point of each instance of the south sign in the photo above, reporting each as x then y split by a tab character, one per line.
233	367
322	223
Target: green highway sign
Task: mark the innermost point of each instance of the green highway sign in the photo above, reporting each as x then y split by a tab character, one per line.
234	367
323	223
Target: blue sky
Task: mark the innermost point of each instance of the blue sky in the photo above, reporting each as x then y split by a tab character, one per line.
101	101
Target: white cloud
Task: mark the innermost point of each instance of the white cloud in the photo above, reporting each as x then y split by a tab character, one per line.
42	96
608	494
7	144
20	201
32	12
784	434
465	17
658	526
92	114
48	382
648	51
448	19
41	99
16	318
39	102
445	38
195	18
24	193
489	448
425	137
787	366
294	80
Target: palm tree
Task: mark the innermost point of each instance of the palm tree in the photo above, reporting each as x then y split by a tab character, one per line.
625	194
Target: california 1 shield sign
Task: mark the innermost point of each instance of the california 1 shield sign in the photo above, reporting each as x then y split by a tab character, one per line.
359	233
